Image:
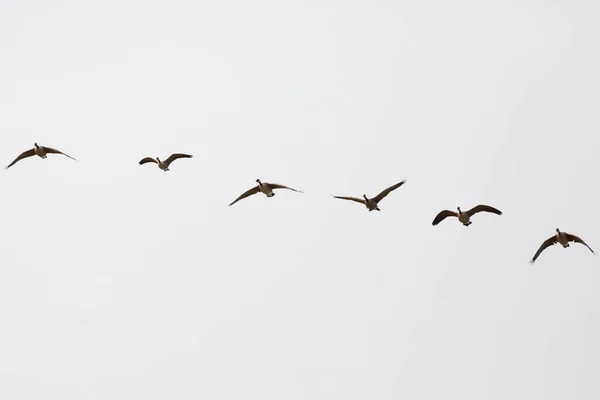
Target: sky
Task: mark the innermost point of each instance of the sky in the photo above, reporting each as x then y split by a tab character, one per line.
121	281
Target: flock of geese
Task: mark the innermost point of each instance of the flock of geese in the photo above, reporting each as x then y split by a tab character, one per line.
371	204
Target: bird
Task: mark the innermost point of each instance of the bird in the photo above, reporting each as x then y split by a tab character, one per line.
40	151
164	165
372	204
264	187
560	237
464	217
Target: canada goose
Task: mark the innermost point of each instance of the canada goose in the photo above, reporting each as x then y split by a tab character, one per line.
164	165
560	237
266	188
371	204
464	217
40	151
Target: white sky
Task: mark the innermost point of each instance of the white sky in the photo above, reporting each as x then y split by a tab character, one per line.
120	281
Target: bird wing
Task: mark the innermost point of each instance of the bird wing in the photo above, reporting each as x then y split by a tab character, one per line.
577	239
481	208
387	191
442	216
23	155
175	156
250	192
278	186
547	242
147	160
54	151
361	201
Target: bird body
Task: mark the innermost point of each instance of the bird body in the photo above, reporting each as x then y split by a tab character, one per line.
371	204
562	238
162	165
465	218
39	151
265	188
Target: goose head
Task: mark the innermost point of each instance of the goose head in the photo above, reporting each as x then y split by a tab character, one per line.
557	230
35	145
259	182
158	159
365	197
458	208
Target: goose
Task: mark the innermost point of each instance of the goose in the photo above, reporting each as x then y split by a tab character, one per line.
39	151
164	165
372	204
464	217
264	187
560	237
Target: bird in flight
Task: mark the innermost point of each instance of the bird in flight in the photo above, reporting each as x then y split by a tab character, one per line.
560	237
39	151
372	204
464	217
264	187
164	165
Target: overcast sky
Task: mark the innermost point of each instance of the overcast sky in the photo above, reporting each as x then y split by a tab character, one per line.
121	281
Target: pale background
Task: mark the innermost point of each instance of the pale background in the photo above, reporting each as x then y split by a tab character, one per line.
120	281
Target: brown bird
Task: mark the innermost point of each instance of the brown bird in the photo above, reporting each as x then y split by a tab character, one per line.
560	237
464	217
164	165
39	151
264	187
372	204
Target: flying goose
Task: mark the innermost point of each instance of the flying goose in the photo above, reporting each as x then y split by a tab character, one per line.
39	151
464	217
371	204
164	165
266	188
560	237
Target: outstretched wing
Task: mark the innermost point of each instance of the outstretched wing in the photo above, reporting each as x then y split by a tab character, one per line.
577	239
250	192
175	156
278	186
387	191
54	151
442	216
147	160
547	243
23	155
361	201
481	208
